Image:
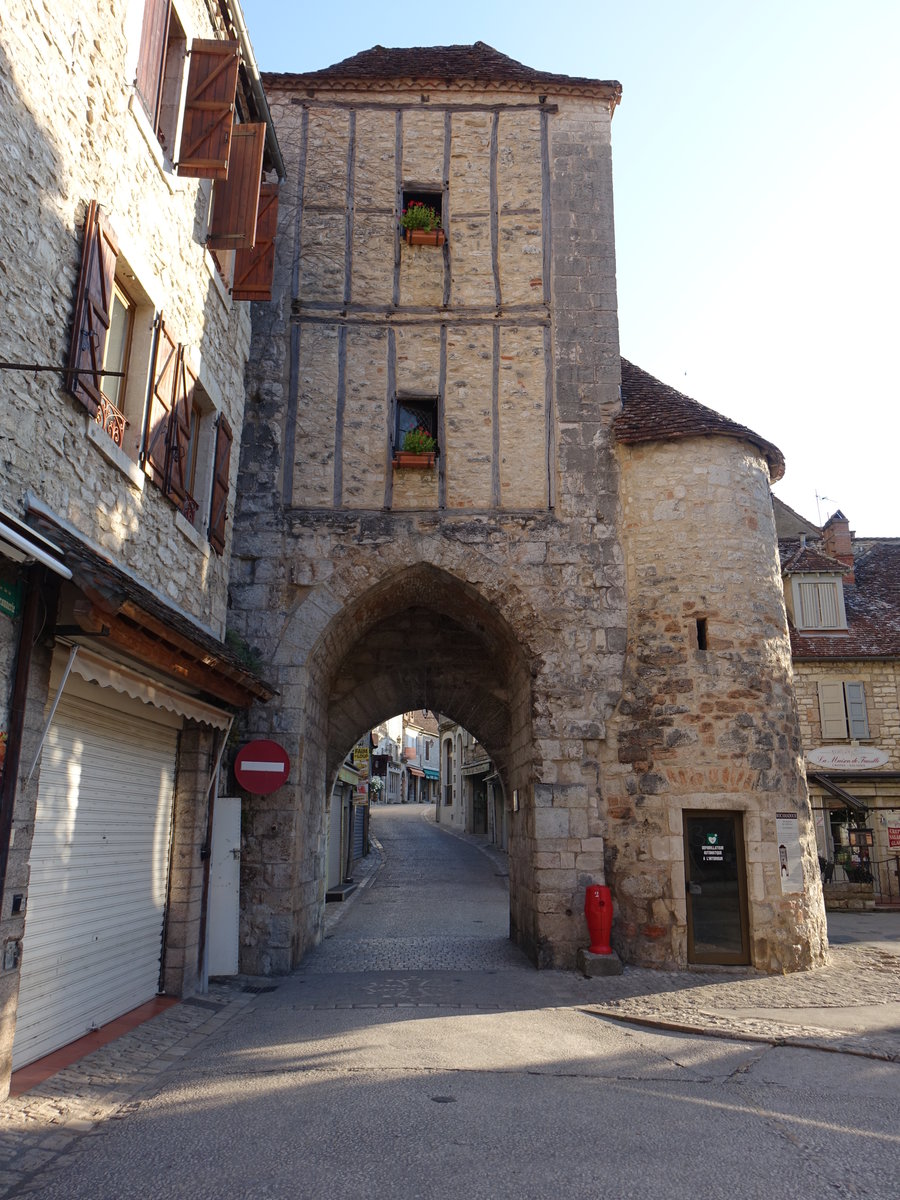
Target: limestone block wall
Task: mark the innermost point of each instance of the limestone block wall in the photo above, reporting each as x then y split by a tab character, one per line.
881	681
510	541
704	729
73	132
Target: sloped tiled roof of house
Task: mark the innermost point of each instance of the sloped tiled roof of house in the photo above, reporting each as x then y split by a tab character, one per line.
654	412
798	559
872	604
436	65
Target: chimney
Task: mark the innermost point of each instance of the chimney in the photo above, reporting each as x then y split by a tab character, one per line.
838	544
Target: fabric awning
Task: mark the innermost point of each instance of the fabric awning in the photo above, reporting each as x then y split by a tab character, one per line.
415	771
839	793
429	774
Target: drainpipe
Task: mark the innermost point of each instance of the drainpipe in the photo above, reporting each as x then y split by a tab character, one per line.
256	86
27	634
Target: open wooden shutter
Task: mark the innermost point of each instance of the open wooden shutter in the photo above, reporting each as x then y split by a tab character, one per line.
162	395
151	62
180	431
209	110
856	710
219	505
236	199
831	710
92	309
254	269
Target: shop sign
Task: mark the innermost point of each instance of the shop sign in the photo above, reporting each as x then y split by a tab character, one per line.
361	760
847	758
894	837
11	599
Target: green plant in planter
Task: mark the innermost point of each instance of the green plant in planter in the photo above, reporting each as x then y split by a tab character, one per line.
418	215
418	441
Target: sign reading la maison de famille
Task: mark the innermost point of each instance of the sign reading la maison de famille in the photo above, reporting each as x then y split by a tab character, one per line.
847	758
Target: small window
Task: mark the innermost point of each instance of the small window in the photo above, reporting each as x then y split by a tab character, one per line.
427	199
160	70
418	412
818	602
701	633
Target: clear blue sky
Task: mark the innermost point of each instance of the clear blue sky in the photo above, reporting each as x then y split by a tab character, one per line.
756	157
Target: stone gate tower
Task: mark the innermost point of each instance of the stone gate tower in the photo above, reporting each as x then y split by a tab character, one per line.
490	583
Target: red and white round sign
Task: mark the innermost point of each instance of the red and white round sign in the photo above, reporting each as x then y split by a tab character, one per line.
261	767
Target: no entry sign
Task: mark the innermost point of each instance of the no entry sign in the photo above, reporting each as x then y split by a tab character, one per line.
261	767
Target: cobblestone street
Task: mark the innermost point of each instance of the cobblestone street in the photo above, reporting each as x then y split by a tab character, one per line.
417	1053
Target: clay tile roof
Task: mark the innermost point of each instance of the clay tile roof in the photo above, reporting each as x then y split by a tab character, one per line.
478	63
807	559
872	604
654	412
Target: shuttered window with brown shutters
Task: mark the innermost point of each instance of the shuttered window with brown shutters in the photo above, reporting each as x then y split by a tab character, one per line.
181	431
151	59
162	394
254	269
219	506
206	134
236	199
93	304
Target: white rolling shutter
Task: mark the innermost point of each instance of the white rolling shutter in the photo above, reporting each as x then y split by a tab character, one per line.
99	868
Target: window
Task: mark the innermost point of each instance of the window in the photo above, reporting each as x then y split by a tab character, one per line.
161	70
842	709
118	345
112	336
209	95
818	602
415	412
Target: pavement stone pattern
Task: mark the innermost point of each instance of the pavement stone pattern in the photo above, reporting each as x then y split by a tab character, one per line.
472	973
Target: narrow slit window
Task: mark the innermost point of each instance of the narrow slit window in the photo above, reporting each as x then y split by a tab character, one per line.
701	634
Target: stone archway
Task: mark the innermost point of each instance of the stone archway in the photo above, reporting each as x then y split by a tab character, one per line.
419	637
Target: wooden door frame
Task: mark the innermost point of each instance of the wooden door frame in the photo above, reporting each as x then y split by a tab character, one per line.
721	959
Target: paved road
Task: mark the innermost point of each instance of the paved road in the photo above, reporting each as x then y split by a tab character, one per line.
417	1055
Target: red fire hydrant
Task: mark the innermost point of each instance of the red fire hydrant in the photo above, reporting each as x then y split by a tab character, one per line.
598	914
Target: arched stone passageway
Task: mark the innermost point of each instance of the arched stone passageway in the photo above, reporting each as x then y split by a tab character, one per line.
418	638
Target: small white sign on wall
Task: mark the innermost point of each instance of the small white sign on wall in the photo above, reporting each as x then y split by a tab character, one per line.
847	758
790	861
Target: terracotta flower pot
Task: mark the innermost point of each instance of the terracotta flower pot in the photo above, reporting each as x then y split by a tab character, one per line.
425	237
403	458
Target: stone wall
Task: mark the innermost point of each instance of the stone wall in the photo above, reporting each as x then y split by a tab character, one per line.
75	132
712	729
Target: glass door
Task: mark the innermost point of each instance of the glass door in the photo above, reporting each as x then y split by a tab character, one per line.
716	887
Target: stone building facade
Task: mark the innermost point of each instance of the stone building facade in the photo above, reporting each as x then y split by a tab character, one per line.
843	595
121	409
542	579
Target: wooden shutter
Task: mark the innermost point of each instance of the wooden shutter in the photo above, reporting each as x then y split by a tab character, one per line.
219	505
180	431
151	62
254	269
236	199
92	309
206	136
831	710
166	360
856	710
